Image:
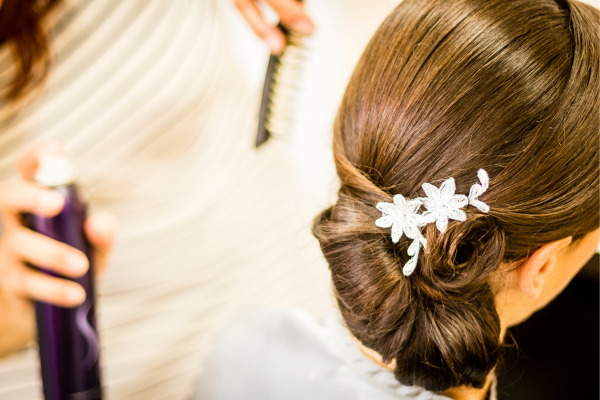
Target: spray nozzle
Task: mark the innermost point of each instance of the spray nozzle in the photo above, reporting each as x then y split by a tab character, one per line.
54	170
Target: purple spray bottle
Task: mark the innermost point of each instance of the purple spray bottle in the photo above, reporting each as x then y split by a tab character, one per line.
67	337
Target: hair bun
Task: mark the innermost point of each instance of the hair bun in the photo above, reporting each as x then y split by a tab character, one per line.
452	343
440	325
456	334
463	260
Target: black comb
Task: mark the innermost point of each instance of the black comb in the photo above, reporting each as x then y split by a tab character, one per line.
280	83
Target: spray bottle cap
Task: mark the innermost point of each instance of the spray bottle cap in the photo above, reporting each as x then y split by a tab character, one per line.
54	170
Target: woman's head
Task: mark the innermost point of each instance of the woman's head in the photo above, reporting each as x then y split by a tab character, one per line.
444	88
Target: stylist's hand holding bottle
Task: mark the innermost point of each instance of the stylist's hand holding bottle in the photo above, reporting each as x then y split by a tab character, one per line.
291	14
19	246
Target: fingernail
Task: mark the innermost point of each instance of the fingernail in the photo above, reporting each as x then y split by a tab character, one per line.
274	43
303	26
75	295
76	263
51	200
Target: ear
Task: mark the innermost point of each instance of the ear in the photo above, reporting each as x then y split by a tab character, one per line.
533	272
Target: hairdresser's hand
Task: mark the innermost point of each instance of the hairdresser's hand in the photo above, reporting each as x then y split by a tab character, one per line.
20	246
291	14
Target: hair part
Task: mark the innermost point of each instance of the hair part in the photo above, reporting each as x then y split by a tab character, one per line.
444	88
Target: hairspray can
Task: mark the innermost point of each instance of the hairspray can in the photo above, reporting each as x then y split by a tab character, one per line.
67	337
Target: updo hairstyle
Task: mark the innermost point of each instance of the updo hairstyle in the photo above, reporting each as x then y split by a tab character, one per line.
444	88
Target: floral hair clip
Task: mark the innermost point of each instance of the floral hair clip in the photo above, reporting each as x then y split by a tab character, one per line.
441	204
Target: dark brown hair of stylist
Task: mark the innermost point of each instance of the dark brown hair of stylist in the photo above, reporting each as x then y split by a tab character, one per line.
21	27
444	88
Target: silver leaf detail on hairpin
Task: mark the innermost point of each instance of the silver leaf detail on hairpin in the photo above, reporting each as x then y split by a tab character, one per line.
478	189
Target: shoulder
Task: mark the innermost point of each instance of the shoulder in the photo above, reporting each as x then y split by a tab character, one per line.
284	353
280	323
271	335
277	353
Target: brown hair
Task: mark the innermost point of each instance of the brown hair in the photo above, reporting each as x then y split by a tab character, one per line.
21	27
446	87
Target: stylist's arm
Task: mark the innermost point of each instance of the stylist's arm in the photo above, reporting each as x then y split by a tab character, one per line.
291	15
20	246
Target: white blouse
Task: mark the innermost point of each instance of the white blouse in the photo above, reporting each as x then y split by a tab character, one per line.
286	354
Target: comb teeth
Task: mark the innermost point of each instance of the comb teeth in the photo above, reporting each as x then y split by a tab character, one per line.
283	83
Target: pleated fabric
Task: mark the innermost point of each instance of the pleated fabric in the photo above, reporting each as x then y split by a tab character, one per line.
160	124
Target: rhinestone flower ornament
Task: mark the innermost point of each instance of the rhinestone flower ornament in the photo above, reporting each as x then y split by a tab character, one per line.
441	204
403	217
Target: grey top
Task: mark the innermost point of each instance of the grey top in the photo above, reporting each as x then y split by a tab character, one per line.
286	354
